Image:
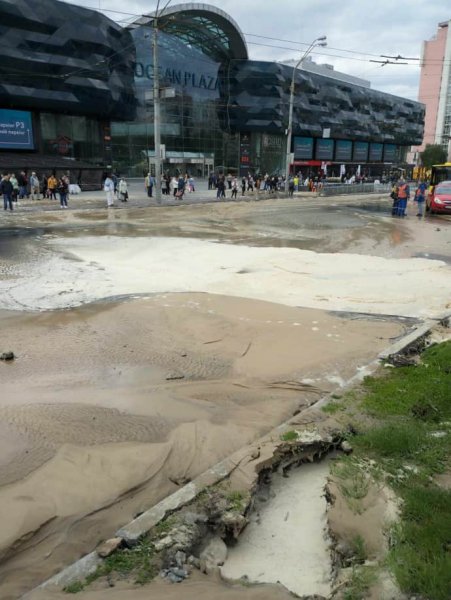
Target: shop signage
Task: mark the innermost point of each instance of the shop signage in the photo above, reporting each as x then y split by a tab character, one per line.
343	150
62	144
376	152
390	154
303	148
16	130
360	151
324	149
272	141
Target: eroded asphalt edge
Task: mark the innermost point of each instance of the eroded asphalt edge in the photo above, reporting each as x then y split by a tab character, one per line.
133	531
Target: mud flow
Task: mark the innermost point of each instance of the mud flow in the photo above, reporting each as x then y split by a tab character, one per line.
151	344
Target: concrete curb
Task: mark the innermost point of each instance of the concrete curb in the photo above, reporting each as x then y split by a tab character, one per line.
408	340
134	530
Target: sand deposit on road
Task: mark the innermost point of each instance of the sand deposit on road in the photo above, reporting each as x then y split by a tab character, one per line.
109	408
76	271
112	406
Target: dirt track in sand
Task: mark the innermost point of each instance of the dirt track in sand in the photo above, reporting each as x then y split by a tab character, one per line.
198	587
97	428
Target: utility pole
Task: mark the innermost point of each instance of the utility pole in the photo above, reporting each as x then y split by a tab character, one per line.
321	41
156	111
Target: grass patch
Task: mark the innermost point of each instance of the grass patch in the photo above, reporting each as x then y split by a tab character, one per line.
164	526
359	549
361	580
74	588
407	443
352	481
236	501
331	408
422	391
421	557
139	563
289	436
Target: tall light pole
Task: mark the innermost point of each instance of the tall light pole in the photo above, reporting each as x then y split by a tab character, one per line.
156	102
321	41
156	112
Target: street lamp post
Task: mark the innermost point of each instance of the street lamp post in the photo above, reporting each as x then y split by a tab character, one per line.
321	41
156	112
156	101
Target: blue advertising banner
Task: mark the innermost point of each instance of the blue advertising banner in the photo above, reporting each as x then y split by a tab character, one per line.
16	130
376	152
360	151
303	148
390	154
343	150
324	149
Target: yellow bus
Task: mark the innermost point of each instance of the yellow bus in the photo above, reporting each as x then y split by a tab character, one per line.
440	173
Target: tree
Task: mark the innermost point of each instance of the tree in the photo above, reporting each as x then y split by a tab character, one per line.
433	155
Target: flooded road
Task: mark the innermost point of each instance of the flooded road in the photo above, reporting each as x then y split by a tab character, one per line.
152	342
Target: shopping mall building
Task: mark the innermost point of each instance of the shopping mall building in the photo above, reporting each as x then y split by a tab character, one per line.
76	94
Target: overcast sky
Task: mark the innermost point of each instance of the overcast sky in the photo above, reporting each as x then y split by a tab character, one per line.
365	27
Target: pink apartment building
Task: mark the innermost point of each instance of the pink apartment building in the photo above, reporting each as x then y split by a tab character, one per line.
435	87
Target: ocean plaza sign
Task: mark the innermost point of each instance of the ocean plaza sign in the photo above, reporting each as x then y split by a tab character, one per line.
176	76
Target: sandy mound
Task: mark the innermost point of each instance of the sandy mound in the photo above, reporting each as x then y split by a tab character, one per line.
108	408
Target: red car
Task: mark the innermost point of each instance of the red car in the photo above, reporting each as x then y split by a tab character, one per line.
439	201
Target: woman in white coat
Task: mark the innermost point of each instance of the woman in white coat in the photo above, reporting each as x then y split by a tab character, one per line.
108	188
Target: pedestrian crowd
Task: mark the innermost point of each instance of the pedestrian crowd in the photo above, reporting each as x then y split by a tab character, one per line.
23	186
14	188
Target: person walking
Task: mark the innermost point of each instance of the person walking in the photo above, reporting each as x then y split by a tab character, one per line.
180	187
167	185
420	198
394	197
108	188
243	186
173	185
403	197
23	182
122	189
220	188
291	185
234	187
63	190
34	187
115	179
6	188
15	185
52	184
149	182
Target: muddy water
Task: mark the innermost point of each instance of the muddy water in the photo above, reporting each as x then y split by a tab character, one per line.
286	540
112	405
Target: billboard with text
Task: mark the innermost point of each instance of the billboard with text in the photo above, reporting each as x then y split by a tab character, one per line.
16	130
303	148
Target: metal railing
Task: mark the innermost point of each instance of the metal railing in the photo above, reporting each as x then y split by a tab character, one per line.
342	189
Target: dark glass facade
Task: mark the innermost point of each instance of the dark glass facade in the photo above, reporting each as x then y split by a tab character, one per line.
192	121
72	70
87	84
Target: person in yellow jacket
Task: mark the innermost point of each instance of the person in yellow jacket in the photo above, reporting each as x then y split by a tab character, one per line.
52	184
